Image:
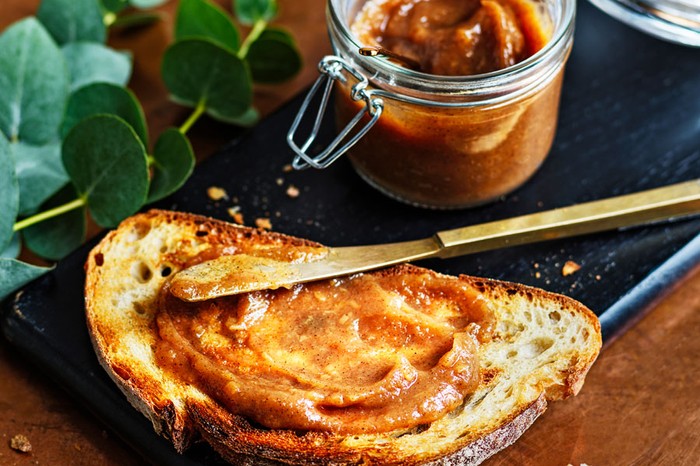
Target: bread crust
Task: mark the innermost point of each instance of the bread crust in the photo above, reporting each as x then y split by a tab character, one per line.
127	268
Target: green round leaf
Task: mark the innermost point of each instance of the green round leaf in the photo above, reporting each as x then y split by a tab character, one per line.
107	98
73	20
13	248
143	4
9	193
173	164
248	119
201	18
40	174
90	62
115	6
250	11
56	237
15	274
137	19
107	163
273	57
199	70
33	83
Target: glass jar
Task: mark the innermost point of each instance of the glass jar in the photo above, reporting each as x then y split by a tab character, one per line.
439	141
672	20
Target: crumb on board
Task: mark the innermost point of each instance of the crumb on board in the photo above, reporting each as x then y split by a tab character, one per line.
20	443
570	267
279	181
263	223
216	193
287	168
538	275
598	277
292	191
235	213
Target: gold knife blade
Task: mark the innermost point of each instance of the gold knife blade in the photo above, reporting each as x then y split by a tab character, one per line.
229	275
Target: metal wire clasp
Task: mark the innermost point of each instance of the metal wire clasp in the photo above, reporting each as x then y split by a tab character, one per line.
332	68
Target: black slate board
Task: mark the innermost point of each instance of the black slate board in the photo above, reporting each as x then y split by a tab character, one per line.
630	120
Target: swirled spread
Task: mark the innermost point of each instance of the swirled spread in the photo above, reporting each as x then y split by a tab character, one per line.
454	37
369	353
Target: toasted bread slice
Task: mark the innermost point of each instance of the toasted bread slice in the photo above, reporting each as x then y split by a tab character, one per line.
542	347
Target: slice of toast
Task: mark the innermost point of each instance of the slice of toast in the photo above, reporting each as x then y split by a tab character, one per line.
542	346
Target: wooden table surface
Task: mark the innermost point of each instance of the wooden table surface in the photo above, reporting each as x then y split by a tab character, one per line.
640	404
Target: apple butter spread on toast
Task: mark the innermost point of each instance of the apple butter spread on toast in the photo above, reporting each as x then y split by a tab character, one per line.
399	366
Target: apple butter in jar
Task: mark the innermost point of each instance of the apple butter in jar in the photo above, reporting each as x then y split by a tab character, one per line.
444	103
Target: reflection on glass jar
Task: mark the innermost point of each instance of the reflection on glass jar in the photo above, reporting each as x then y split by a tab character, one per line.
451	141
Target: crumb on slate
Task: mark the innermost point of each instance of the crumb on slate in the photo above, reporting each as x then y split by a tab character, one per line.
287	168
216	193
292	191
570	268
263	223
20	443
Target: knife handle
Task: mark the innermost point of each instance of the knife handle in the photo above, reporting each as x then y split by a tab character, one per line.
670	202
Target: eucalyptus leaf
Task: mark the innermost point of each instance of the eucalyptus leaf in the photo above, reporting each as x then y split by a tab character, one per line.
107	163
143	4
105	98
56	237
250	11
249	118
13	249
15	274
137	19
40	174
9	193
73	20
201	18
201	71
173	164
273	57
90	62
114	6
33	83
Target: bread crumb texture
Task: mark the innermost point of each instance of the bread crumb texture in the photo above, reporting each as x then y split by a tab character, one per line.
20	443
216	193
570	268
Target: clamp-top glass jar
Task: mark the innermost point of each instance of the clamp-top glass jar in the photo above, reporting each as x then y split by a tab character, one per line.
433	140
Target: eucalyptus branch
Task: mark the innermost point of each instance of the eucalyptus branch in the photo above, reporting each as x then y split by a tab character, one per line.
258	29
109	18
198	112
55	212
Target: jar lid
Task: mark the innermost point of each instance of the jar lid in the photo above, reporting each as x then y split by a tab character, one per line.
672	20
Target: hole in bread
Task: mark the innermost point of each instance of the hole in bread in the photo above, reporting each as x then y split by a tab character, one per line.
527	315
165	271
141	272
536	347
511	354
586	334
202	233
163	249
511	291
555	316
139	308
141	229
99	259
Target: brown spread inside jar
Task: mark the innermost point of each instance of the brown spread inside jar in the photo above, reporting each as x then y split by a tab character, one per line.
468	153
453	37
369	353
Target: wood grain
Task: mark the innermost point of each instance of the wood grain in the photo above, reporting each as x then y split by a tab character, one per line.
640	404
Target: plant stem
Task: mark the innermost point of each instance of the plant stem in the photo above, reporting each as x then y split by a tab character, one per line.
258	28
198	111
55	212
109	18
